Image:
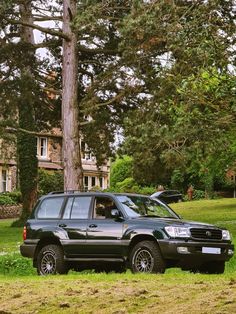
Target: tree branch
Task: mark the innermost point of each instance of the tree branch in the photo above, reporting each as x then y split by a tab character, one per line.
40	28
47	18
106	103
97	50
16	130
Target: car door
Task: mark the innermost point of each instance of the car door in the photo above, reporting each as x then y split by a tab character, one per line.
104	233
74	225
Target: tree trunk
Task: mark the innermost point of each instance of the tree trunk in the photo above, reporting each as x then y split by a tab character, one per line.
26	143
73	172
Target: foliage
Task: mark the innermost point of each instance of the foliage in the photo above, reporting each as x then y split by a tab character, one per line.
10	198
50	181
25	107
121	169
159	69
127	185
16	265
6	200
177	179
185	71
198	194
147	190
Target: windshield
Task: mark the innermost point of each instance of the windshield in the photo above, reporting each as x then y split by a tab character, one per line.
136	206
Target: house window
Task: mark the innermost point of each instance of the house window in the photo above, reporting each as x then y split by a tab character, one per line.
101	182
42	147
4	181
93	181
86	183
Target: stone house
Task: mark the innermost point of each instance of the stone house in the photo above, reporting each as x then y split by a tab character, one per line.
49	153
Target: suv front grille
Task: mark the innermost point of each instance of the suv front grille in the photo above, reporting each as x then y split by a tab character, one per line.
206	234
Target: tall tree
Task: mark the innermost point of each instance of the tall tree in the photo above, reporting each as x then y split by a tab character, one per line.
25	106
182	51
73	172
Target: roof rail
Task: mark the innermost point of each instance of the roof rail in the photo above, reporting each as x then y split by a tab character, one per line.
66	191
71	192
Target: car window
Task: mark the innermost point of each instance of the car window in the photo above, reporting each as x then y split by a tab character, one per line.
145	206
102	208
80	207
50	208
77	207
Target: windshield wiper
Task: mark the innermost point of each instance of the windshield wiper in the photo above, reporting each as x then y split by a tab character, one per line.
150	216
155	216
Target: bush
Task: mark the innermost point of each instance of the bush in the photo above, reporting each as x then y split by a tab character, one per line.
10	198
6	200
127	185
121	169
50	181
198	194
147	190
130	186
15	264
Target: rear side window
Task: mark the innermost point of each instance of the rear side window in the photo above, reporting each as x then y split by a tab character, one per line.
50	208
77	207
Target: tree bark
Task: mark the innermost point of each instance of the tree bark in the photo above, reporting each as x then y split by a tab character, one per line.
73	172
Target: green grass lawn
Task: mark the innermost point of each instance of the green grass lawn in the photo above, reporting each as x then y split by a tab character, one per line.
22	291
10	238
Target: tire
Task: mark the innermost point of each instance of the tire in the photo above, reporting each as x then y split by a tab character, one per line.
50	261
213	268
146	257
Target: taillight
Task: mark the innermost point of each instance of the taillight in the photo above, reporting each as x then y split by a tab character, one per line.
24	233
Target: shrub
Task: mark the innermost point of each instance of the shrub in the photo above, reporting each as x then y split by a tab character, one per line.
121	169
14	264
127	185
6	200
198	194
50	181
10	198
147	190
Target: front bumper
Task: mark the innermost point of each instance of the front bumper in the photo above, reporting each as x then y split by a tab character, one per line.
193	253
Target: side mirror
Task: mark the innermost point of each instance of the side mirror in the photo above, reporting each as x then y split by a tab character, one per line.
115	213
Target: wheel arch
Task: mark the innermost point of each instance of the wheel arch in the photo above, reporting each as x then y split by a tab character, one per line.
43	242
139	238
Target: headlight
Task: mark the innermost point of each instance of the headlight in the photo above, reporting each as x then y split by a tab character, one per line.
226	235
177	232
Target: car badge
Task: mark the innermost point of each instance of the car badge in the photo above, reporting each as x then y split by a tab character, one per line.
208	233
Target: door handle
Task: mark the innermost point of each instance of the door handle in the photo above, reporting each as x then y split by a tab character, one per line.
92	226
62	225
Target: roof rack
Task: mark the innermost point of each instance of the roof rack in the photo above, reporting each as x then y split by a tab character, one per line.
65	192
71	192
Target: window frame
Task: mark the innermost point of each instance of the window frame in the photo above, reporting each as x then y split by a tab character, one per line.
107	197
39	147
4	181
47	218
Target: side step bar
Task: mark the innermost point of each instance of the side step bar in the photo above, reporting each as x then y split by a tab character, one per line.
94	259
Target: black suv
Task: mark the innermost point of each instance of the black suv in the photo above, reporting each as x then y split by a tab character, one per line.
113	232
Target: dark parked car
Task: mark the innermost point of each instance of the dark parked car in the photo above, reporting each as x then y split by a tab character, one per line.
168	196
105	232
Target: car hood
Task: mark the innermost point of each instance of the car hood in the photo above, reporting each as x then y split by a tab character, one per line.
172	221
